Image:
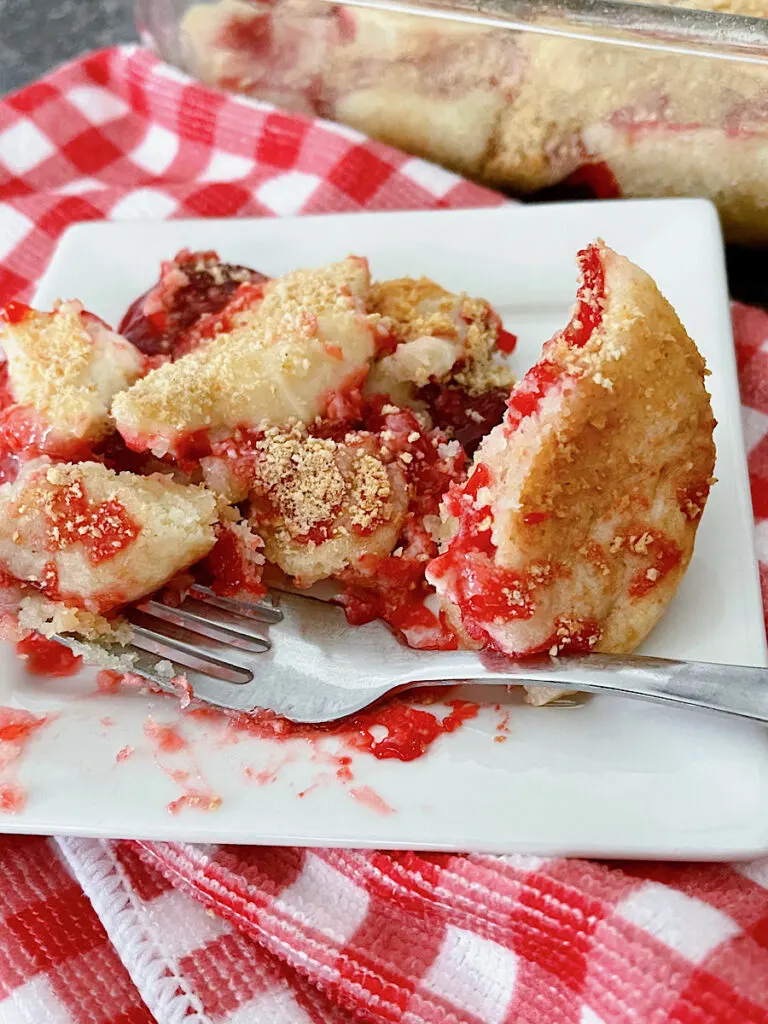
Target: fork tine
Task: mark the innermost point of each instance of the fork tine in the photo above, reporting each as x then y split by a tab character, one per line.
261	611
310	673
217	693
162	650
175	643
212	623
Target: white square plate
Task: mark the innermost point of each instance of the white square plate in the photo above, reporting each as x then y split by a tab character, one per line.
610	778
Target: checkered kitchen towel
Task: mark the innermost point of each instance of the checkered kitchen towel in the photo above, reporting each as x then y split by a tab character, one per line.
98	931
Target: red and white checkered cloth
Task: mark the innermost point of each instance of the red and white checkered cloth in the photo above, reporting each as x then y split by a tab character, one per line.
119	932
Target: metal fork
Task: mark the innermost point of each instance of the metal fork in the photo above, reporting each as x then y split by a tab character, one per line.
297	656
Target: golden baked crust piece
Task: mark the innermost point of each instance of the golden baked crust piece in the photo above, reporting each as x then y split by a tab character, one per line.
436	336
86	536
282	359
319	504
578	520
64	368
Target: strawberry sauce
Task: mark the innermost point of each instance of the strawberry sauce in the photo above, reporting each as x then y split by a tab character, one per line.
17	728
469	417
24	435
182	309
173	755
529	393
393	588
597	179
666	556
506	341
104	529
13	798
526	397
369	798
14	312
484	592
167	738
410	731
590	300
230	569
44	657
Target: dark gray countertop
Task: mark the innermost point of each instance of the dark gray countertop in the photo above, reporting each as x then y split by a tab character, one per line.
36	35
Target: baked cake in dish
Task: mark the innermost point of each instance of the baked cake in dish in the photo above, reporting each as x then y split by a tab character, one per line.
321	426
523	111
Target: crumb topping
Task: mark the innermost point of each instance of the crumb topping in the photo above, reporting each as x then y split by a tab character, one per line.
290	305
57	351
318	487
481	372
369	492
414	307
48	617
273	362
297	297
301	476
67	365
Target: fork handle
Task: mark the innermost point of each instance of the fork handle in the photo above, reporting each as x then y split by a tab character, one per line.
729	689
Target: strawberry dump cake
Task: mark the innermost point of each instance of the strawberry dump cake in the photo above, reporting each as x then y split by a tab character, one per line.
522	111
322	426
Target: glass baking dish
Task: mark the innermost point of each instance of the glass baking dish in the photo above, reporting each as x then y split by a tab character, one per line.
599	97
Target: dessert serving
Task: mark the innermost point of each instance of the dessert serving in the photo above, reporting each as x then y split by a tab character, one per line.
578	517
322	426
